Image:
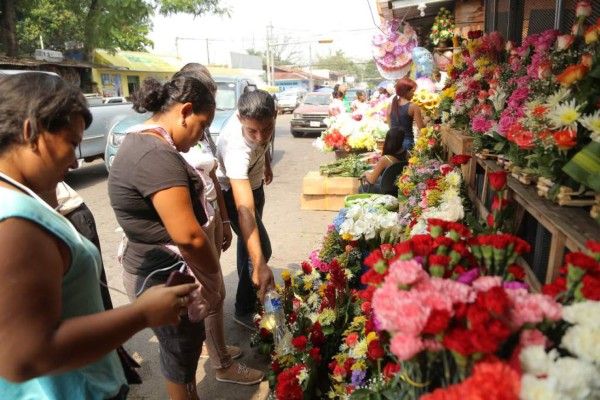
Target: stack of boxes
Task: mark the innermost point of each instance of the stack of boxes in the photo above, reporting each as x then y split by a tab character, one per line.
324	193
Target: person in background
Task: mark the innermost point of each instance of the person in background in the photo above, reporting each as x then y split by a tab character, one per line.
393	153
380	94
56	339
244	165
156	196
337	105
401	113
360	104
218	231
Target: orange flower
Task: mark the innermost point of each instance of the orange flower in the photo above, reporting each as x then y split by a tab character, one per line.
544	70
572	74
586	59
514	131
591	35
525	140
539	112
565	139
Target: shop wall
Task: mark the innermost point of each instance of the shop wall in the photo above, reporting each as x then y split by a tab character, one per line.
123	83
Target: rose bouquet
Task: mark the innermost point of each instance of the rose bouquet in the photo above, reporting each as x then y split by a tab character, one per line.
345	132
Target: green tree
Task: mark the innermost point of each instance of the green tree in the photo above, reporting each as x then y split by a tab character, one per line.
107	24
364	70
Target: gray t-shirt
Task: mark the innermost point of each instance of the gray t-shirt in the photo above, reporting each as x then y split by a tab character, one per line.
143	166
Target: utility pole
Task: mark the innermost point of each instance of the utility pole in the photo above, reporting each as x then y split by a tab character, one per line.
268	58
207	53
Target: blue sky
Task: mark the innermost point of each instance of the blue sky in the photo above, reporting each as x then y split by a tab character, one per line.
347	22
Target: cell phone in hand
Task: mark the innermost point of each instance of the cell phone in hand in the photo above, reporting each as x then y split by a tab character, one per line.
179	278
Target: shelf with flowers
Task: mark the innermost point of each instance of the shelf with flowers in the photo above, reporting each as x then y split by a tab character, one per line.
538	105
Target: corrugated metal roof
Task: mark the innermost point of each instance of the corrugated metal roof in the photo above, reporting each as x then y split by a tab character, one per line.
31	62
137	61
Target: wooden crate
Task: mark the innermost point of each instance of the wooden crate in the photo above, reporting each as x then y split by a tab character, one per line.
326	193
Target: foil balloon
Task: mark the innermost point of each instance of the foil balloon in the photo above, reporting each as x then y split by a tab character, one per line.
423	62
443	59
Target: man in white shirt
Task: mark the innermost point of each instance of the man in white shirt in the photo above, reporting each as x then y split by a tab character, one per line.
244	162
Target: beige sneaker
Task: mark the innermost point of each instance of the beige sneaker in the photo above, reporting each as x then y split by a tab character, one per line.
241	374
234	351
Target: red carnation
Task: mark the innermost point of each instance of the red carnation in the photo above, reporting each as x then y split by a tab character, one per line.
582	261
462	230
390	369
460	159
494	300
459	340
478	316
375	351
554	289
315	354
437	322
498	180
593	247
439	259
483	342
422	245
288	386
299	342
517	271
591	286
373	258
306	268
372	277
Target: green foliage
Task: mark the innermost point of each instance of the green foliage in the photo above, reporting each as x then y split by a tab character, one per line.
364	70
351	166
106	24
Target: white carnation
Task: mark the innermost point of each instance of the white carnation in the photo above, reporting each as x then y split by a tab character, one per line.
575	379
583	342
535	360
539	389
586	313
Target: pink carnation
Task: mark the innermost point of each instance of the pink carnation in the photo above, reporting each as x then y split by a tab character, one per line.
485	283
406	347
399	310
406	272
532	337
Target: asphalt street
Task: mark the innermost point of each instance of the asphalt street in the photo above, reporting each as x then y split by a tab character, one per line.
294	234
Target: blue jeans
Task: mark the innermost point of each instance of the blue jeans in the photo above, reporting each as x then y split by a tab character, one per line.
245	297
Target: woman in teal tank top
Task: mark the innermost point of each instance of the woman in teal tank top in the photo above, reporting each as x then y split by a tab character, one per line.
56	340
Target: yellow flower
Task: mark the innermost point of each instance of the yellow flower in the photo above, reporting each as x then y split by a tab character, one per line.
287	361
286	275
347	236
433	197
371	336
413	160
360	350
359	365
326	317
565	115
267	322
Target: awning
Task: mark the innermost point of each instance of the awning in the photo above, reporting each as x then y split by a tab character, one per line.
137	61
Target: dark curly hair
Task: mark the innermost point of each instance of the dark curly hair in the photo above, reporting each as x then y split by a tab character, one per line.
46	100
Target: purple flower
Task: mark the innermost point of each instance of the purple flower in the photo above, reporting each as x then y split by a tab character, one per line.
392	36
515	285
358	377
422	186
468	277
412	200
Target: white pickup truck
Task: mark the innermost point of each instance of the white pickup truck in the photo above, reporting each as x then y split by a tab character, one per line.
105	116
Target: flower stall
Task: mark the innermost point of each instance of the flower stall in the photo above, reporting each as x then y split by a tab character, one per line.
472	283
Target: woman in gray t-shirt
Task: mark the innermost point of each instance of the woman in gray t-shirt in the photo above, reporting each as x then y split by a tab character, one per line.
155	195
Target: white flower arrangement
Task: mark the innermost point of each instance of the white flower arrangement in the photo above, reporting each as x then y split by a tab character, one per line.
370	224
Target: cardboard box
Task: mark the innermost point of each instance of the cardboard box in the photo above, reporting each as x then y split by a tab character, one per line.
322	202
316	184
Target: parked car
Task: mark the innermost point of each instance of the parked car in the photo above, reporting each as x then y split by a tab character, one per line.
309	116
288	101
105	116
229	90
